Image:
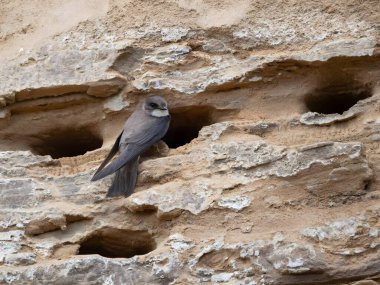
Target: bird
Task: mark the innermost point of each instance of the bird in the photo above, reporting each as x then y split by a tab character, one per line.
145	127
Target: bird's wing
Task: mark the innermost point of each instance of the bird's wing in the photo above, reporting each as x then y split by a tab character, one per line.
135	146
130	152
145	133
111	154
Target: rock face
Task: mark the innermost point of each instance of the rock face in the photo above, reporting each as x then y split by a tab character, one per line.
269	173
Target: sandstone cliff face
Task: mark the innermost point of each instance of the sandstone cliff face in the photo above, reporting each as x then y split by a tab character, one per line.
270	171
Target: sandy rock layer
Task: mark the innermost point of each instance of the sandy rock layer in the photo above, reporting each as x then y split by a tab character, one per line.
269	173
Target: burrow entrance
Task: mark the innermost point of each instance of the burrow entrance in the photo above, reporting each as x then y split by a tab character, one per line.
117	243
66	142
185	124
337	93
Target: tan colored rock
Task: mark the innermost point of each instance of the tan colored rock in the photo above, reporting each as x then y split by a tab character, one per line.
269	173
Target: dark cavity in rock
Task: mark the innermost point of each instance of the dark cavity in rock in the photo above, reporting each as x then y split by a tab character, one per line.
185	124
66	142
117	243
337	97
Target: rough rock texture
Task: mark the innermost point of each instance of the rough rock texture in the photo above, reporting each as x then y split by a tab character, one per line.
270	171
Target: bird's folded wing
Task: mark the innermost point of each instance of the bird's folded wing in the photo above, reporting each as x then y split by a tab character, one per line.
146	133
111	154
129	153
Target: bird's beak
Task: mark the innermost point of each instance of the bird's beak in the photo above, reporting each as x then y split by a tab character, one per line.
164	108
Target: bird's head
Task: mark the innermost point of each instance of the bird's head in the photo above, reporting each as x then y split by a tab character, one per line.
156	106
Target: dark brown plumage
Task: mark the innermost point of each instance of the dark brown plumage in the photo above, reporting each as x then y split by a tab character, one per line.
145	127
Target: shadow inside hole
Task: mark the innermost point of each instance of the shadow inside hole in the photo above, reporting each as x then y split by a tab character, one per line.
185	124
336	98
117	243
66	142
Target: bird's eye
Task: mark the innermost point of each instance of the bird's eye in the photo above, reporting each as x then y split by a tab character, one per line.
153	105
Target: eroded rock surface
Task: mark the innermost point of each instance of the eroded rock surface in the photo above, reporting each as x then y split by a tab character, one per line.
269	173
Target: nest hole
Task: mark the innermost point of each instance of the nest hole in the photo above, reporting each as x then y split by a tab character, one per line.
66	142
336	99
185	124
117	243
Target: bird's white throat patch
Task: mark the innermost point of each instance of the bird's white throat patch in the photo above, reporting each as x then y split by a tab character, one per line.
160	113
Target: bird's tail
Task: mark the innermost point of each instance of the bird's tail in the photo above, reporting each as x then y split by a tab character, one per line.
124	180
